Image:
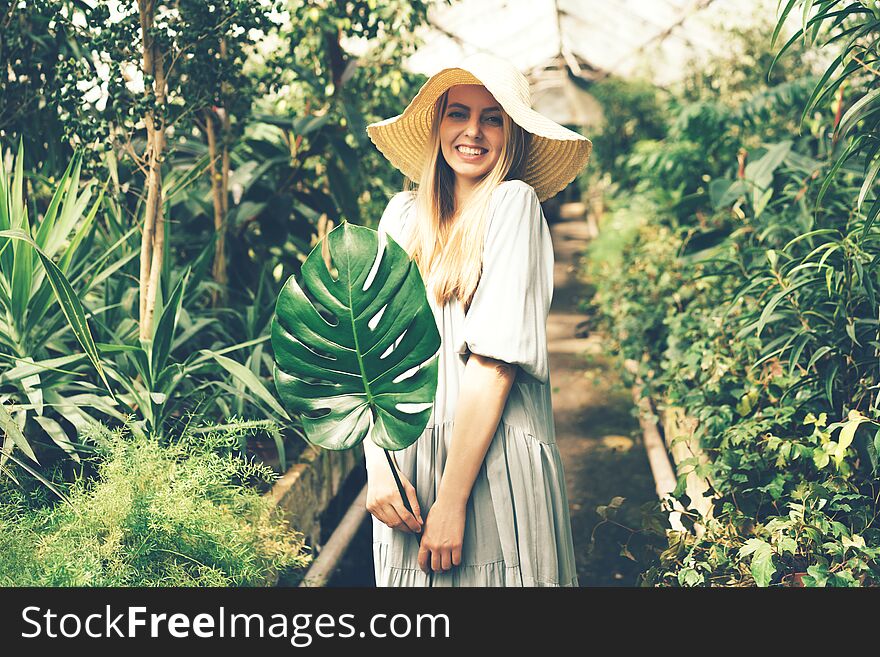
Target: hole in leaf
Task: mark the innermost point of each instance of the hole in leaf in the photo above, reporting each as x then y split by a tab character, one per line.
394	344
405	375
314	350
375	268
375	319
322	354
413	408
329	317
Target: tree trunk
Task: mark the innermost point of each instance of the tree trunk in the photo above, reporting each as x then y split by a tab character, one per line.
153	238
219	185
220	195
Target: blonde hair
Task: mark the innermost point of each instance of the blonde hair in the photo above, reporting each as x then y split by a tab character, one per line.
450	247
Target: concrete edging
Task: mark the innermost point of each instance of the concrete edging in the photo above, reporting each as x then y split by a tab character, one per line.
321	570
679	445
308	487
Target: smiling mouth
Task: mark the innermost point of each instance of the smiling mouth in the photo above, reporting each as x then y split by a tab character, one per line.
467	151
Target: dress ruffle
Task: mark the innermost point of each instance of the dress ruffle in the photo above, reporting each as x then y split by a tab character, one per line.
524	541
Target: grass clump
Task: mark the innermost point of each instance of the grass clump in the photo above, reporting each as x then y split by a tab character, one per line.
153	515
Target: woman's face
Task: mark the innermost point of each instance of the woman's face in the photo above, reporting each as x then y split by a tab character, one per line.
471	131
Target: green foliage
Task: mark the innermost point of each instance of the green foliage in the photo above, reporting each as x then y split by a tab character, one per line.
151	516
303	156
38	305
632	112
745	289
855	26
203	47
35	79
358	387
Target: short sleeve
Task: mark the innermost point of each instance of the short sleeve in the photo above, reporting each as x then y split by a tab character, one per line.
507	319
393	217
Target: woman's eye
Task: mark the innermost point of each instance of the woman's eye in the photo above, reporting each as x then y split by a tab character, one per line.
495	120
455	114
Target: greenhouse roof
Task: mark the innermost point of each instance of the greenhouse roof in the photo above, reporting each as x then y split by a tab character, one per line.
653	39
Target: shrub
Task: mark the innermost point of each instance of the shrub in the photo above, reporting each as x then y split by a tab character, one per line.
746	288
177	515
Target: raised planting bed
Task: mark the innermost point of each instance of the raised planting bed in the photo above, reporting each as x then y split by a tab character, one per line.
678	431
669	435
309	488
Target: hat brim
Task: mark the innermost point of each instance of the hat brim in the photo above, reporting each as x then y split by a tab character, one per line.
556	154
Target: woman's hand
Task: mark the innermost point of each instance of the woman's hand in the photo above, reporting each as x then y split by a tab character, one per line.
440	548
384	502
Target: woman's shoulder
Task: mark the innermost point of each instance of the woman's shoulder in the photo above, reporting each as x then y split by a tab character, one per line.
400	202
513	191
403	198
514	207
396	212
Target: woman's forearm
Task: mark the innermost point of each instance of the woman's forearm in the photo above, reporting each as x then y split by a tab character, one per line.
485	386
373	454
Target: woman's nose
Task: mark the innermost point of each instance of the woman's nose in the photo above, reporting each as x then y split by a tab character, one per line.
473	128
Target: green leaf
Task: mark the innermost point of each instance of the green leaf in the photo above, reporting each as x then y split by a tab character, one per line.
818	576
760	172
787	544
868	182
848	432
826	183
340	374
58	435
690	577
855	541
875	443
781	21
776	299
249	379
5	453
10	429
863	107
165	327
762	565
28	368
70	304
62	192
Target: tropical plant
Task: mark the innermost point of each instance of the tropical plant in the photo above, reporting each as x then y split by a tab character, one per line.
157	387
854	27
35	333
340	369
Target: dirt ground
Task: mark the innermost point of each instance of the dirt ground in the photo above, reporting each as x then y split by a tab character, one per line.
597	433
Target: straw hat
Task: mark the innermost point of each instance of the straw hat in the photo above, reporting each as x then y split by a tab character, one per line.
556	154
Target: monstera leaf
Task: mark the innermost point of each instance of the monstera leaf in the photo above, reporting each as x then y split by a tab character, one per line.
340	368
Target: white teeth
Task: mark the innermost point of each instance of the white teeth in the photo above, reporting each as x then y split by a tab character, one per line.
470	151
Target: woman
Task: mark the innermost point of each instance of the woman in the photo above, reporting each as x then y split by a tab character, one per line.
486	472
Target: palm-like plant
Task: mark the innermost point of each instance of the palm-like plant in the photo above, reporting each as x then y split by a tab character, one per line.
34	340
855	27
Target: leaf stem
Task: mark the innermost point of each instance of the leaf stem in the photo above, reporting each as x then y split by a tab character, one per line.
400	488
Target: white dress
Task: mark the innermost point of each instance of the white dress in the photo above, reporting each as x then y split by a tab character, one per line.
517	525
